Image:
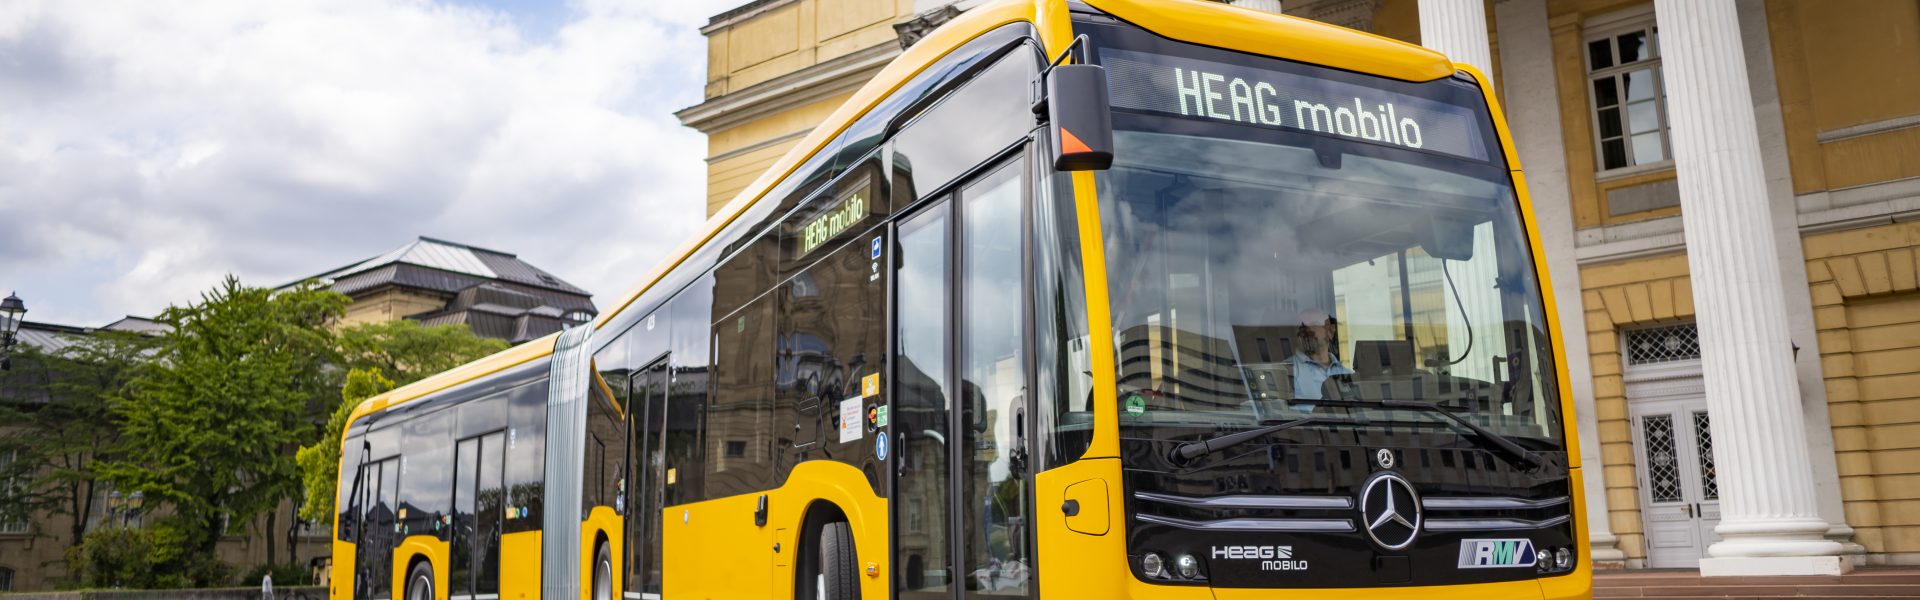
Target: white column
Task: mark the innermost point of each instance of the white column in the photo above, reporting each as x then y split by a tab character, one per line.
1533	113
1793	273
1770	523
1458	29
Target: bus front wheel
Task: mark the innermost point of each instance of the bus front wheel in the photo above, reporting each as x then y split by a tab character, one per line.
420	582
839	575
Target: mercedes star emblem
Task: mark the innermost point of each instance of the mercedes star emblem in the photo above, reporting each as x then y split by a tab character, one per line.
1390	511
1384	457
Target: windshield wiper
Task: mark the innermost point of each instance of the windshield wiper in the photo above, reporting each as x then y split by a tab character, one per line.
1517	454
1198	448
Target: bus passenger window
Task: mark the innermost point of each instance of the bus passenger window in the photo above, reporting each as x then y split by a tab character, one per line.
739	411
429	465
526	456
691	311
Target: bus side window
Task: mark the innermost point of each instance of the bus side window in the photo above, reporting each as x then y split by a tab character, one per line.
347	502
526	455
994	110
691	312
739	424
1063	377
821	317
424	492
832	327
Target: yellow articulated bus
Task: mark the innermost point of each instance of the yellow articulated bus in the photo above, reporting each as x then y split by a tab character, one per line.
1088	299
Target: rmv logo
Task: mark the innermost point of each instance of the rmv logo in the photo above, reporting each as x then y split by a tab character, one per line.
1491	554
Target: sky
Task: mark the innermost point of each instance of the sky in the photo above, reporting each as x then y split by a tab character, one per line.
149	149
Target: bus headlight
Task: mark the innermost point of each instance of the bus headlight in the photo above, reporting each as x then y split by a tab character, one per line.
1188	565
1563	558
1544	558
1153	565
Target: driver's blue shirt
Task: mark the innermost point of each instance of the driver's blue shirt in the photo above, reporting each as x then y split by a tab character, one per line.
1308	376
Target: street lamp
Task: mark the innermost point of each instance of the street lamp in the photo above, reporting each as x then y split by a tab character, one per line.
12	312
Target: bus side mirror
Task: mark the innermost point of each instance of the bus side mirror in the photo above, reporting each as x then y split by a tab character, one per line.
1080	118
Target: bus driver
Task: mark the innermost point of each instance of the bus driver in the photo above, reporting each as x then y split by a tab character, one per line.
1313	359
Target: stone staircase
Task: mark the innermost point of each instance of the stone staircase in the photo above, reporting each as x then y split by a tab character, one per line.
1680	584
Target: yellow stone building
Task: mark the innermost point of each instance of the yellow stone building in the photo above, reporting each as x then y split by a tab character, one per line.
1835	96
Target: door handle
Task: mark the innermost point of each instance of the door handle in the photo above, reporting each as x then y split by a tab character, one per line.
1688	508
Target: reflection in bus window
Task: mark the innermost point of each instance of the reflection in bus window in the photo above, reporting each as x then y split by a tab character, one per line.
993	384
921	403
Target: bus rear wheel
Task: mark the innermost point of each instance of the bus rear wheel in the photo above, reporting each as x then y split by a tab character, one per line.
420	582
839	575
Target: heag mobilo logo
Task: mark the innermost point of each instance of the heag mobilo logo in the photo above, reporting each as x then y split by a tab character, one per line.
1494	554
1272	558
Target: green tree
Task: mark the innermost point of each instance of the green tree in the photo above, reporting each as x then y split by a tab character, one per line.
210	430
320	461
380	357
406	351
63	424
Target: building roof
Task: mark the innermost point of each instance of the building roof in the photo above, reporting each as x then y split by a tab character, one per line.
447	258
49	337
498	311
137	325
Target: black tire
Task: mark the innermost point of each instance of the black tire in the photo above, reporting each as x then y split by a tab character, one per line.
420	582
839	569
603	574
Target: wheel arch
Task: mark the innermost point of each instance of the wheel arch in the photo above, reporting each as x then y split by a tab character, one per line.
817	515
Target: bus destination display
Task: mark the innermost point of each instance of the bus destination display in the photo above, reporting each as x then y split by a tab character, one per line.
1254	96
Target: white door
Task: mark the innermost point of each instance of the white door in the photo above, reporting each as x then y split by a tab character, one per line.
1680	499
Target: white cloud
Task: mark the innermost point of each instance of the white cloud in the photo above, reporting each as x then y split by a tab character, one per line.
147	148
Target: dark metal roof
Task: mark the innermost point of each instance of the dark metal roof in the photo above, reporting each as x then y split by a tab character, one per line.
455	261
518	271
451	283
486	323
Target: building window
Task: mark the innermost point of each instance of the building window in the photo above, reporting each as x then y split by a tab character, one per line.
1628	96
11	486
1656	345
579	316
6	579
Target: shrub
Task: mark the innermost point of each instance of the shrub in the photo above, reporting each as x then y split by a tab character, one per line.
151	558
113	557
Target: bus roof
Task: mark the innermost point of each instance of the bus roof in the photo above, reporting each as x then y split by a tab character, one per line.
1211	23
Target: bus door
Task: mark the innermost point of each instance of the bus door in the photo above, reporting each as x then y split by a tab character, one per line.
477	517
373	556
649	414
962	489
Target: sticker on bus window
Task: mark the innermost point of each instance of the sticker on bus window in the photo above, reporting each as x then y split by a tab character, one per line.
850	430
870	385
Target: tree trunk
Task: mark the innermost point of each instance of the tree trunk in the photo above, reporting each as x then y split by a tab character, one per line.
273	517
293	532
82	501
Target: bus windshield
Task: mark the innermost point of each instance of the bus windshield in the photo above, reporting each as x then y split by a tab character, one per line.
1258	276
